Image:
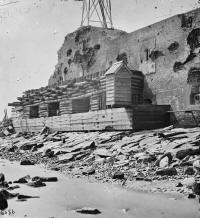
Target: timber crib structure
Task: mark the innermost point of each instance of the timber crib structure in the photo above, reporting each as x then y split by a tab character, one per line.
108	100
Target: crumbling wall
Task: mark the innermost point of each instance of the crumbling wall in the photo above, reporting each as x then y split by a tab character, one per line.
165	52
85	51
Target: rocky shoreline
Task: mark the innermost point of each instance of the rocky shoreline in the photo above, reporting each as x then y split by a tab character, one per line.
162	161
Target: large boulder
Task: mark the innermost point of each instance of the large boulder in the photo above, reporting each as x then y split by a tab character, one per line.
164	160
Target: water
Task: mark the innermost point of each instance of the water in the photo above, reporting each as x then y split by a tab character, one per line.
60	199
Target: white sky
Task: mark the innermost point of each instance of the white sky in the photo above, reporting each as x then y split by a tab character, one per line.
32	31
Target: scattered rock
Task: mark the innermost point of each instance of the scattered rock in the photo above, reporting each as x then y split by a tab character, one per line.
139	178
196	165
55	168
87	210
66	158
89	171
49	153
34	149
45	179
196	188
191	196
189	171
189	182
146	158
12	148
7	195
13	187
20	197
27	162
21	180
4	184
167	172
118	175
103	153
38	183
27	146
179	185
164	160
3	202
2	177
185	152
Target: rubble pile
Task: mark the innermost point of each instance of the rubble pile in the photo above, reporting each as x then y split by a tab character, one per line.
164	160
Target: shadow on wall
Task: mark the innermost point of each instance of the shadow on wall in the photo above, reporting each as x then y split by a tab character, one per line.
149	97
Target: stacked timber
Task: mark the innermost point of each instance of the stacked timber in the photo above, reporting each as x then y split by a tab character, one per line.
116	118
26	111
94	102
62	94
103	82
65	106
43	110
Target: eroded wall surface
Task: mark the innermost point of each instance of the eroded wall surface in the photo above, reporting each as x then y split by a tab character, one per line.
168	54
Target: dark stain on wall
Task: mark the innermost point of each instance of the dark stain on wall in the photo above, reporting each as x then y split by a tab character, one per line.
69	61
86	58
156	54
178	66
173	46
122	57
81	31
77	57
69	52
190	57
65	70
97	46
186	22
193	39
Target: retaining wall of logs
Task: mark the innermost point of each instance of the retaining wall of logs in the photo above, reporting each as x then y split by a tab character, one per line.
116	118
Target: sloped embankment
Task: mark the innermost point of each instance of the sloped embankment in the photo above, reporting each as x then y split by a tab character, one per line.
165	160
